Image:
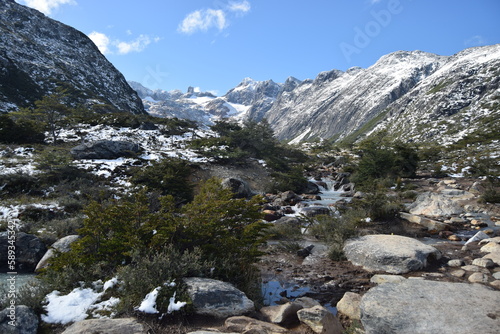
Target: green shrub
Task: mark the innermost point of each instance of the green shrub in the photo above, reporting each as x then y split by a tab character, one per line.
293	180
156	268
169	176
383	161
224	230
378	206
336	230
492	191
235	143
22	131
19	183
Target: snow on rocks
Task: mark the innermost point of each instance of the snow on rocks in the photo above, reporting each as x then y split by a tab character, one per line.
75	306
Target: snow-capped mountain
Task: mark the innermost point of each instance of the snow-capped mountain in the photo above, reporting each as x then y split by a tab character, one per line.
336	103
249	100
416	95
37	54
461	98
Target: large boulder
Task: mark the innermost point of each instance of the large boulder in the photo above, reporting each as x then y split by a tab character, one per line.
29	250
423	307
23	318
62	245
105	149
389	253
436	205
216	298
106	326
240	188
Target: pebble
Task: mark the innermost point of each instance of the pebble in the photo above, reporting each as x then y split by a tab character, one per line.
455	263
381	279
482	262
458	220
471	268
478	278
454	237
496	284
458	273
491	247
496	275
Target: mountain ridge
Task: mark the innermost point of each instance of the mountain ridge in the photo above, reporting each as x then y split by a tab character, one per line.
37	54
344	105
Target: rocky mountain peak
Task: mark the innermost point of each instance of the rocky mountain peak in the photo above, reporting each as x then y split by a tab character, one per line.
37	54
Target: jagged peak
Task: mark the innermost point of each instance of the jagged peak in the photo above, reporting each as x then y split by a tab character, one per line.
327	76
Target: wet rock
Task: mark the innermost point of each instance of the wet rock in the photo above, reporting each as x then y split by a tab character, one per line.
310	188
242	324
312	211
349	305
305	252
26	320
106	326
477	237
456	308
390	253
320	320
216	298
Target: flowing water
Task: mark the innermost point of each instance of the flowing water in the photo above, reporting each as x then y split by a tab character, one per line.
273	291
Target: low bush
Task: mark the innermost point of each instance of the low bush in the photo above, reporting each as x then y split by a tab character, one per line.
215	227
335	230
18	184
169	176
148	271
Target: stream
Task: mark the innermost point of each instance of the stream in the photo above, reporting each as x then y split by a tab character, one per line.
273	290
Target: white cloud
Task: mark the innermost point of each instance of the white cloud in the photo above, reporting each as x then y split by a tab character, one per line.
243	6
105	44
203	20
101	41
47	6
137	45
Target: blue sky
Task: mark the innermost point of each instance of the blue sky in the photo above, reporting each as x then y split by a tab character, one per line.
215	44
